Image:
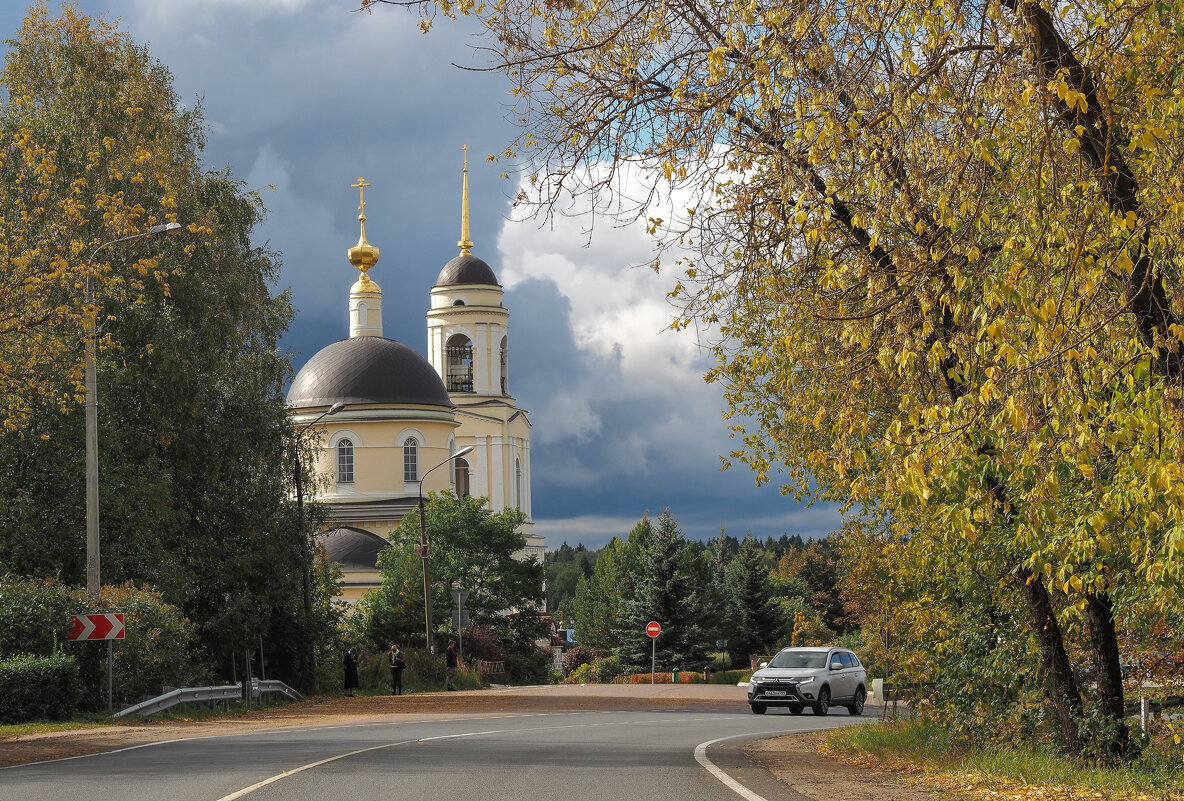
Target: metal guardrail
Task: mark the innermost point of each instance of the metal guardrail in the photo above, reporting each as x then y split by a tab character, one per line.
277	687
183	695
202	695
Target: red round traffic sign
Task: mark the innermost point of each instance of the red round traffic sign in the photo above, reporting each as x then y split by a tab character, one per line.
652	628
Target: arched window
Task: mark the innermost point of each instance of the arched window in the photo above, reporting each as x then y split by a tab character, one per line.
410	460
460	478
518	483
458	303
459	353
505	369
345	462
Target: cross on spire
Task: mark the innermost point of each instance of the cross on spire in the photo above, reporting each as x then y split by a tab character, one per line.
361	187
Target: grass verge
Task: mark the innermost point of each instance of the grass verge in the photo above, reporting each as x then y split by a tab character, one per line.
1017	772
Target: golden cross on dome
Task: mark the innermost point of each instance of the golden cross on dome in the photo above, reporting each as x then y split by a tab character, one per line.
361	187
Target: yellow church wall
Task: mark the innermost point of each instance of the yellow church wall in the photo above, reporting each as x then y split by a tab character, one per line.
356	583
378	454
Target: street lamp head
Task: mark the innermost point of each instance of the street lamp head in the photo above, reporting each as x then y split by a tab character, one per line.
463	451
335	408
165	228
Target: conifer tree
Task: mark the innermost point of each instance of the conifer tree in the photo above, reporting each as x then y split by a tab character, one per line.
754	615
664	591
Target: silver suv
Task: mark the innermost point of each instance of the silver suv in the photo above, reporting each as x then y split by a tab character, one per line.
809	677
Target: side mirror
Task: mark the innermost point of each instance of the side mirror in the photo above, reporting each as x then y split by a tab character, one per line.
763	665
836	665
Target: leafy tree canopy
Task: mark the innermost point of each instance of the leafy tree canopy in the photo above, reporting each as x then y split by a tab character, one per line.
472	549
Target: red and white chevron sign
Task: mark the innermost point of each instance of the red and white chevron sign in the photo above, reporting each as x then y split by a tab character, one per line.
97	627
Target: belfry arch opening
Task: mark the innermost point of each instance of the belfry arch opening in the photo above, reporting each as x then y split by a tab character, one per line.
505	368
460	478
459	360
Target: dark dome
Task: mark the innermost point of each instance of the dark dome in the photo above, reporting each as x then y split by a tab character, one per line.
367	370
466	270
352	547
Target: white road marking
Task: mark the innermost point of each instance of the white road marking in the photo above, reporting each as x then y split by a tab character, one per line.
726	780
302	768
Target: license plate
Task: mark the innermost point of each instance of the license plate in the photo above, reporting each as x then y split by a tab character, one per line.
774	693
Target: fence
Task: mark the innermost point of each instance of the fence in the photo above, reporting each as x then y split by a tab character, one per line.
1147	709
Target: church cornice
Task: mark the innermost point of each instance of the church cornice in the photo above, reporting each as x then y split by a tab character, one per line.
489	418
468	311
466	402
383	414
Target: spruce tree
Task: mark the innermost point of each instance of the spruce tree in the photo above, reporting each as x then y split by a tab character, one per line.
665	590
756	622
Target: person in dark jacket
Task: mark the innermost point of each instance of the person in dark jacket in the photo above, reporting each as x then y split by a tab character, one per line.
350	663
450	662
398	663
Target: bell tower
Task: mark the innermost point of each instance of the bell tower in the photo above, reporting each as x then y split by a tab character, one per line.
468	336
468	327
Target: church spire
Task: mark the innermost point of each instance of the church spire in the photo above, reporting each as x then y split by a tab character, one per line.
465	244
362	255
365	296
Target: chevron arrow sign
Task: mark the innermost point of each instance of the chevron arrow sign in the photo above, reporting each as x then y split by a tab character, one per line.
97	627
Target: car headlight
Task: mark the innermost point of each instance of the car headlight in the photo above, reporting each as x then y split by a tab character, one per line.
807	680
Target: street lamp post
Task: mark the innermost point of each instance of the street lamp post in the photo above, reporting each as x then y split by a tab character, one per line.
425	551
92	414
306	561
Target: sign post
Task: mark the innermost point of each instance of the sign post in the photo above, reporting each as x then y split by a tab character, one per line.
460	618
100	626
653	630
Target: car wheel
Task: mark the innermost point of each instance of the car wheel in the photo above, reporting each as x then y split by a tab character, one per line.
856	707
795	709
822	706
758	709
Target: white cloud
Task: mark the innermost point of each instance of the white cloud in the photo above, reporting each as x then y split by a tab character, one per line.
649	377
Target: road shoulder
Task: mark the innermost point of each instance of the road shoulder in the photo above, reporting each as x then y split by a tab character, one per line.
794	760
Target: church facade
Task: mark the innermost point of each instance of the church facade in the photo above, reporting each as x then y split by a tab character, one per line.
404	415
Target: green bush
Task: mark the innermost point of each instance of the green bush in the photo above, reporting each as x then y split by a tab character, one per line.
729	676
38	688
598	671
35	615
158	648
423	673
532	666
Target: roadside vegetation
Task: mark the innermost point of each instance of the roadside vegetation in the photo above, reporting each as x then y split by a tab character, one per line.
201	545
931	756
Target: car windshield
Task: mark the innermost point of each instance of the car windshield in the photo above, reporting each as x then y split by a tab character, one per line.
799	659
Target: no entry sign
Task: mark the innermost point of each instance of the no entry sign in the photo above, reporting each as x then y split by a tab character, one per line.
652	628
97	627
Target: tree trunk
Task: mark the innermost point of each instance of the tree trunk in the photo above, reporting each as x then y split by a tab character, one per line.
1104	640
1062	686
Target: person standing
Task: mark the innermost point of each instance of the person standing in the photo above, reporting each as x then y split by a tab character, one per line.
350	663
450	662
397	662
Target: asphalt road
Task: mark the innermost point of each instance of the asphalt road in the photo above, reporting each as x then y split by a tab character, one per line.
688	755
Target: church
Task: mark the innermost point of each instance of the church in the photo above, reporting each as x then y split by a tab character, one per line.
404	415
